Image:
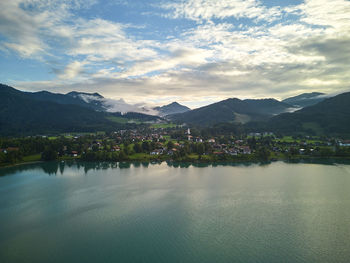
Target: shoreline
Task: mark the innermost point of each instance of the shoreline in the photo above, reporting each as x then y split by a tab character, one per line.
305	159
20	163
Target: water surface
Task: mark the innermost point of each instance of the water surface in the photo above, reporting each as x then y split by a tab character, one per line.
103	212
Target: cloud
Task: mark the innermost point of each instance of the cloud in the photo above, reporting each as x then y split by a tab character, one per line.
119	105
334	14
207	10
21	29
228	48
72	70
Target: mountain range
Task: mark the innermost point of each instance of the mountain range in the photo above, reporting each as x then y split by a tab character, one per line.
45	112
233	110
305	99
88	100
330	116
23	113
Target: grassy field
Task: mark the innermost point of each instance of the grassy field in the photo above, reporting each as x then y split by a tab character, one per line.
32	158
123	120
193	156
163	125
117	119
289	139
140	156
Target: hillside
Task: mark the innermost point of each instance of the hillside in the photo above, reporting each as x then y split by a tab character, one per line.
20	113
330	116
232	110
72	98
305	99
172	108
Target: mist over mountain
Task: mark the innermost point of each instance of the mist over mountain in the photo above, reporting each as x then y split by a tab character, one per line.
233	110
88	100
100	103
93	101
23	113
305	99
326	117
38	112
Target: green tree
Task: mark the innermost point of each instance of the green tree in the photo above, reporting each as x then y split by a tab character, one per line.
263	153
170	145
137	148
49	154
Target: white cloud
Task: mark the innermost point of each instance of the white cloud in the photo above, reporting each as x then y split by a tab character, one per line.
72	70
208	9
309	52
21	29
334	14
320	82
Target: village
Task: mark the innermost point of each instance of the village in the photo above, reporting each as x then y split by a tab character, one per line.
177	144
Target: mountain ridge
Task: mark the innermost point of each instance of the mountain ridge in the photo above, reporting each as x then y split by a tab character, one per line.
232	110
326	117
305	99
171	108
26	113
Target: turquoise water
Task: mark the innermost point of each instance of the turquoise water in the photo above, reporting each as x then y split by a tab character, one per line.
100	212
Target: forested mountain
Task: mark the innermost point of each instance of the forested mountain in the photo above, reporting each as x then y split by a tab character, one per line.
327	117
43	112
25	113
171	108
233	110
305	99
74	98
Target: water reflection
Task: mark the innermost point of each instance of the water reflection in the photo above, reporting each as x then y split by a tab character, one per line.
54	168
153	212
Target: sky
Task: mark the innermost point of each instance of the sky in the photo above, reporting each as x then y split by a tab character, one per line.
195	52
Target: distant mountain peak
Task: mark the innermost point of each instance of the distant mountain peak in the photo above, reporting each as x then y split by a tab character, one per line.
233	110
329	116
306	99
78	94
172	108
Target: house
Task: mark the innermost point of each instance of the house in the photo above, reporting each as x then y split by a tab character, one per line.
159	144
245	150
211	140
9	149
12	149
254	134
268	134
172	151
115	148
74	153
232	151
156	152
199	139
344	143
238	141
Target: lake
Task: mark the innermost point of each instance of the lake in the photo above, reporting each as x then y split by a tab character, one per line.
104	212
